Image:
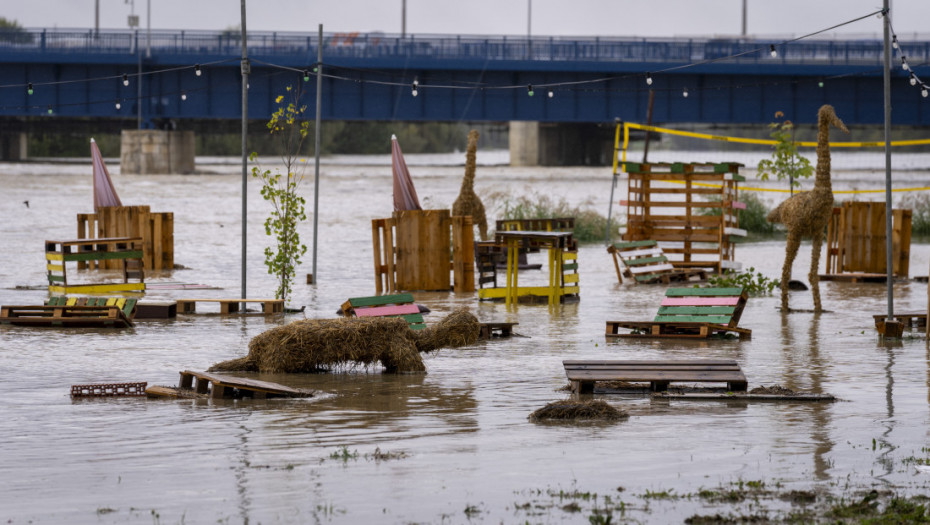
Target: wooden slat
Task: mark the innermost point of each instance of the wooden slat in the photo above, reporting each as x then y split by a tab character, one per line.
681	292
381	300
633	244
649	252
697	310
378	311
654	268
716	319
643	260
700	301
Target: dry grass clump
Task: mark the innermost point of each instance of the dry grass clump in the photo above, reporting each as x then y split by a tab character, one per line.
593	409
314	345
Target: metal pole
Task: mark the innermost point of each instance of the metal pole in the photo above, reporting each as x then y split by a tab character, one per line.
138	83
744	18
96	18
888	212
316	145
403	18
148	28
244	67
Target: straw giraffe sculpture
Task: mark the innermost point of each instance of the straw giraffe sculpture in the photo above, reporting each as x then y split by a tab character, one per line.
806	214
468	202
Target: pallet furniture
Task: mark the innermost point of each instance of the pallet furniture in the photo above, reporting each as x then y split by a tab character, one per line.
109	389
692	205
397	305
563	266
489	330
231	306
127	304
646	263
583	374
65	316
126	252
156	229
690	313
222	386
910	320
411	252
857	246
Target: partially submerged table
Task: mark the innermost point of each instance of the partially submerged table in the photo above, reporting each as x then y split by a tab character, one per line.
561	260
127	250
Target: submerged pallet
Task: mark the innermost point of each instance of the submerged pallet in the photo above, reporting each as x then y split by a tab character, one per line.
222	386
584	374
108	389
231	306
65	316
909	320
489	330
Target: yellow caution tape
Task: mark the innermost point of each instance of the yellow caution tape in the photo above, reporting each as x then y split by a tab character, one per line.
778	190
766	142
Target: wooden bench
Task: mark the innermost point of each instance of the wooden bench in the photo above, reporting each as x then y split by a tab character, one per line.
583	374
127	304
231	306
397	305
219	386
646	263
690	313
65	316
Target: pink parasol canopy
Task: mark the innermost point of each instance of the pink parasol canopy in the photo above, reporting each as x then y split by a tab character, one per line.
104	193
405	195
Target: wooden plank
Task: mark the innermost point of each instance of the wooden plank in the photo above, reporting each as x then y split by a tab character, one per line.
648	252
700	301
633	244
378	311
381	300
684	292
651	269
697	310
643	260
717	319
249	384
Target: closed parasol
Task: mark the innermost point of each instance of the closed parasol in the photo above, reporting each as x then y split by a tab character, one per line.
104	193
405	195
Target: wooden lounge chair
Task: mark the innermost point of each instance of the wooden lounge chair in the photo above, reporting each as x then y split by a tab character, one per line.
646	263
103	312
696	313
126	304
398	305
583	374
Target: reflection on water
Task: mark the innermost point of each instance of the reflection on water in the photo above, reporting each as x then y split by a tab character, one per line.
455	438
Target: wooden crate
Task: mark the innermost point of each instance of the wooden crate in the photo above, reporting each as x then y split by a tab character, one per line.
155	229
665	202
856	240
412	251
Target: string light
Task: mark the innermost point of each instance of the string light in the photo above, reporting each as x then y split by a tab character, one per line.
894	41
820	84
29	88
197	70
772	50
118	105
551	94
913	79
183	95
125	79
306	75
685	93
904	65
648	79
529	90
923	90
413	88
50	109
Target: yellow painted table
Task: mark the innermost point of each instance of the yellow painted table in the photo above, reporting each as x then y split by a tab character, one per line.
561	260
126	250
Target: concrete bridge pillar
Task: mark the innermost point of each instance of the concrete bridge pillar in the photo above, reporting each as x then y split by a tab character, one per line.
560	144
155	151
13	146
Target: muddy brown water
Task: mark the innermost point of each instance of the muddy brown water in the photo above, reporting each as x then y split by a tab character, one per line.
456	444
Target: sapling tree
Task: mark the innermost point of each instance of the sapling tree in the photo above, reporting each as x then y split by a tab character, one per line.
785	161
280	190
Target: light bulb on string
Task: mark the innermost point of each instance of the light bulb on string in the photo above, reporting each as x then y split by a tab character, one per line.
125	79
772	50
306	75
820	84
913	79
923	90
904	65
197	70
50	109
684	93
894	41
29	89
413	89
118	105
529	90
648	79
551	94
183	95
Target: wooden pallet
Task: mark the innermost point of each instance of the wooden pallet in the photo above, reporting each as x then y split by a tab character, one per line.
231	306
108	389
219	386
65	316
909	320
397	305
690	313
127	304
583	374
646	263
489	330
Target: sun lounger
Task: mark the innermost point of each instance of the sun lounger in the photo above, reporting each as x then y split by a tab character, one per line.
646	263
690	313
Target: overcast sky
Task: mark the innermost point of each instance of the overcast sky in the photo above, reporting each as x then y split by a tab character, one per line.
488	17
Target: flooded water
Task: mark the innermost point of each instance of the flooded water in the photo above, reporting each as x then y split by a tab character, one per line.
450	446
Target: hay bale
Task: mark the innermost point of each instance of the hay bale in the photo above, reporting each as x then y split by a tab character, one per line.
569	410
314	345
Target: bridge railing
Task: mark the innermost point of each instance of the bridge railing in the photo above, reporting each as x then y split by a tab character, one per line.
449	47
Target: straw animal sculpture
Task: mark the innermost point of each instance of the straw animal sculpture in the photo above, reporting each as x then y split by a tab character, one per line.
806	214
594	409
468	202
315	345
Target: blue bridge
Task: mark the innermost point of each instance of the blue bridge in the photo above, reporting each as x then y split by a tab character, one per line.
458	78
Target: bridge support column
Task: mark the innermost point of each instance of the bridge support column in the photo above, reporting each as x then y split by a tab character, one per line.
13	146
560	144
153	151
